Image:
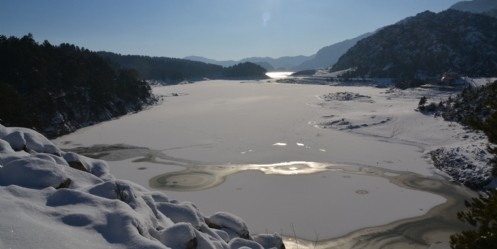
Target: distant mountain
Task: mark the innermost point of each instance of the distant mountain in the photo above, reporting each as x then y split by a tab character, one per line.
271	64
265	65
329	55
226	63
165	69
325	57
488	7
280	64
427	45
174	70
244	70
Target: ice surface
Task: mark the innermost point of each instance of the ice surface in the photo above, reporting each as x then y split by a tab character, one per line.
229	123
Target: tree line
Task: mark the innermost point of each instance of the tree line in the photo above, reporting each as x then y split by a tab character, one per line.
174	70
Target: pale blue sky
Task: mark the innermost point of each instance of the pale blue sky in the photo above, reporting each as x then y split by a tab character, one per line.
218	29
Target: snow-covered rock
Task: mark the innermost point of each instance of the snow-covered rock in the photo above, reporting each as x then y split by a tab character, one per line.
55	199
182	212
180	235
26	139
32	173
346	96
269	240
243	243
468	163
233	225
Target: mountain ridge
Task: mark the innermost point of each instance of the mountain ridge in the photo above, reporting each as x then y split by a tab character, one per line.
283	63
426	45
329	55
323	58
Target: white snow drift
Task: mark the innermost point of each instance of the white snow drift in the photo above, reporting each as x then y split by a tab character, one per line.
53	199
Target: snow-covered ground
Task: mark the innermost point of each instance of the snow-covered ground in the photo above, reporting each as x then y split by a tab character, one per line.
222	144
53	199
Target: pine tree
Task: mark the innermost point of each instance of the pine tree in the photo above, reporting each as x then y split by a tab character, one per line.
481	214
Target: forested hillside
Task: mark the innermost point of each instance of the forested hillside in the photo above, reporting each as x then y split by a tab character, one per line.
173	70
58	89
475	107
425	46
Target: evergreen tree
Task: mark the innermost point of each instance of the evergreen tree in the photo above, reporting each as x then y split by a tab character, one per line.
57	89
482	214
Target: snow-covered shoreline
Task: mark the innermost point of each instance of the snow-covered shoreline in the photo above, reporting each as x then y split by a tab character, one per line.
55	199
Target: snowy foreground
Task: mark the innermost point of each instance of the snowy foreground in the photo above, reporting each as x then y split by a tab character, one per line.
320	163
55	199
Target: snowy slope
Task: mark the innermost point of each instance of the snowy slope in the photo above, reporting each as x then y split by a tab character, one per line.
55	199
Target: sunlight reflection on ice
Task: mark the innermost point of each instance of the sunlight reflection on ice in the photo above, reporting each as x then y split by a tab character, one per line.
204	177
278	75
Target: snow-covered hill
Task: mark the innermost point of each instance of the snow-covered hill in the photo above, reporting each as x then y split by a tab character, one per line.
55	199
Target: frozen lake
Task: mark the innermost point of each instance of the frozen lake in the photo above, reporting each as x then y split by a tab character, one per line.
283	157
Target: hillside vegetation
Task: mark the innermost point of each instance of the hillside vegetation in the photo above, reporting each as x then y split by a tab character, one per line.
173	70
58	89
477	108
425	46
474	107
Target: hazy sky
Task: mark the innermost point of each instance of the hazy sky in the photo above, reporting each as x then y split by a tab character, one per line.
218	29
